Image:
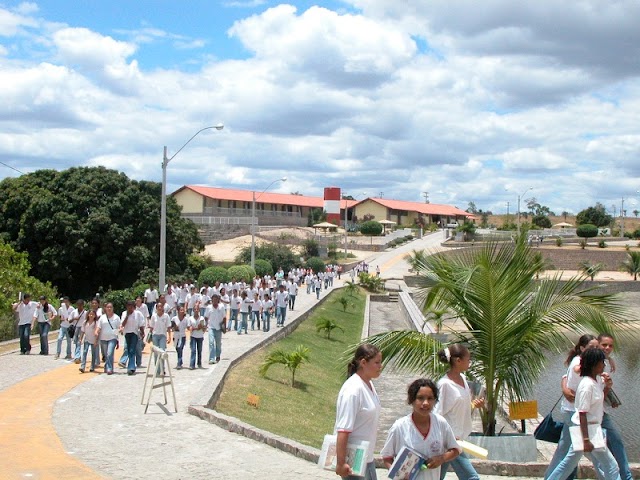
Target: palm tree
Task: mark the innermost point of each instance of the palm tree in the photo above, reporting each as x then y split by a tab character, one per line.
416	259
508	318
591	269
632	264
291	360
351	287
328	326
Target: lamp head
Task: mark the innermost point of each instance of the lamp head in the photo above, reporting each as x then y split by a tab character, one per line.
283	179
219	126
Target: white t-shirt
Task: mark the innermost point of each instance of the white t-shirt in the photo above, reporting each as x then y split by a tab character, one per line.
282	298
454	404
143	310
89	330
589	399
151	296
215	316
109	327
134	322
42	316
63	313
171	300
573	380
26	312
77	318
404	433
292	288
246	303
267	305
358	411
161	324
182	326
235	302
196	323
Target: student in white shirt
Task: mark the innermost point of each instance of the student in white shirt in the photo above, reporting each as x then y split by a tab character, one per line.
423	431
197	326
358	409
151	297
256	310
191	300
216	316
63	312
267	311
90	340
171	302
44	314
234	304
179	323
245	305
76	320
133	328
281	301
107	330
25	309
292	289
160	324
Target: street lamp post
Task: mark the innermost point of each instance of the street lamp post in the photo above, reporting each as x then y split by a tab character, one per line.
163	205
346	208
519	197
253	220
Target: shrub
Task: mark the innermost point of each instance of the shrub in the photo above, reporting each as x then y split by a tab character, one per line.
559	241
371	227
278	255
587	230
372	283
196	263
310	247
602	244
119	299
263	267
241	272
316	264
211	275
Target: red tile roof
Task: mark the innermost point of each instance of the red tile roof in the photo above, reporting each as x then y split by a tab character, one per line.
318	202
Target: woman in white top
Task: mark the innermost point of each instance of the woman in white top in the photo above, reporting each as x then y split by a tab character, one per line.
179	323
44	314
245	306
358	409
569	385
197	326
267	310
160	324
589	409
455	405
107	331
423	431
89	338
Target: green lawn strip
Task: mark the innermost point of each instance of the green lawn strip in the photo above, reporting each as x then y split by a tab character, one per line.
307	412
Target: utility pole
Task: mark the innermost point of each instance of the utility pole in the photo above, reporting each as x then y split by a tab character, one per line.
507	210
426	197
622	218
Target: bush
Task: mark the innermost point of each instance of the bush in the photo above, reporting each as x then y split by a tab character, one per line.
559	241
587	230
277	255
372	283
263	267
119	299
371	227
316	264
310	247
241	272
602	244
211	275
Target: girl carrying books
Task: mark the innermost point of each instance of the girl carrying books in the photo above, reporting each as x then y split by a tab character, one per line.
424	432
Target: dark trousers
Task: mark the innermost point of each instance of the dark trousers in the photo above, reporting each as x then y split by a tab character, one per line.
24	331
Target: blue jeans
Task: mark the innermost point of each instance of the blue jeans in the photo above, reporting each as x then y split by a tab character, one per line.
215	344
266	321
179	348
94	355
615	445
24	332
44	328
62	333
77	354
108	348
292	301
563	448
281	315
318	293
242	325
196	344
233	319
132	350
462	466
255	317
308	288
159	341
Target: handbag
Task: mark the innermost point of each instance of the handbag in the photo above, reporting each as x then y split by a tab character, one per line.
549	429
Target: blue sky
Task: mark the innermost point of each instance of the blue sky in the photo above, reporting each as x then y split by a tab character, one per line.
467	101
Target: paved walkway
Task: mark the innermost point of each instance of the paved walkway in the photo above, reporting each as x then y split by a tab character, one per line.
57	423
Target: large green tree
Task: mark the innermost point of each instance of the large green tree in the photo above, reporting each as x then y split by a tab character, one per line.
88	228
596	215
509	318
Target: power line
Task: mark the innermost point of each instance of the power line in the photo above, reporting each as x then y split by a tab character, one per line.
12	168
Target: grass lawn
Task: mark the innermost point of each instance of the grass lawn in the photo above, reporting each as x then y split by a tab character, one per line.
307	412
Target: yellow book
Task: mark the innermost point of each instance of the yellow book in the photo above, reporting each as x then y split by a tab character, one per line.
473	449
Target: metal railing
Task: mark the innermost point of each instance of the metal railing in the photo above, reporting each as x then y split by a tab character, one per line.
246	212
205	220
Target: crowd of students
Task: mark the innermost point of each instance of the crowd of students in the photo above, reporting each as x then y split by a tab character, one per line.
158	318
441	415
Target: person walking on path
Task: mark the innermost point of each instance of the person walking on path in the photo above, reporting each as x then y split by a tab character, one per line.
267	311
151	297
197	326
423	431
455	406
589	406
87	335
63	312
107	331
44	315
133	328
216	317
160	324
292	289
358	409
25	309
76	320
179	323
282	301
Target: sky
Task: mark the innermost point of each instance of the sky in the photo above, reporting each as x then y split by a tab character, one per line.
483	102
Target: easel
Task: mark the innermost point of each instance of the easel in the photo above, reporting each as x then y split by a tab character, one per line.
159	361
